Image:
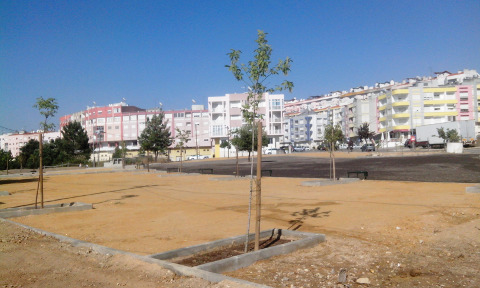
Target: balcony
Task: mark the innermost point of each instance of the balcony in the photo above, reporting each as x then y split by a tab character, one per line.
218	110
400	103
401	115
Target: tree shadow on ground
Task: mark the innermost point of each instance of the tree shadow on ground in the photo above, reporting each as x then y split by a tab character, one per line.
301	216
97	193
11	181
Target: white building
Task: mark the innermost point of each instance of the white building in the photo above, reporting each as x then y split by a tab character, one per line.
226	116
13	142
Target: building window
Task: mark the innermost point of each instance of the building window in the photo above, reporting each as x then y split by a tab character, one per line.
275	104
217	130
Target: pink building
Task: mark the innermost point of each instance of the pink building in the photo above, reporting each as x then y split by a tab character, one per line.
107	127
13	142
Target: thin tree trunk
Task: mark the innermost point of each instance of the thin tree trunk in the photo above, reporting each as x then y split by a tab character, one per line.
236	171
259	187
148	161
251	190
40	171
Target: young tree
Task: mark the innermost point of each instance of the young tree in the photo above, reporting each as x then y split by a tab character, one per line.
120	152
242	139
331	136
226	144
182	138
48	108
74	143
364	133
254	75
156	136
6	160
449	135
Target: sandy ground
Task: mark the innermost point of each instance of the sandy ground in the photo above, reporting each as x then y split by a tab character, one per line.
396	234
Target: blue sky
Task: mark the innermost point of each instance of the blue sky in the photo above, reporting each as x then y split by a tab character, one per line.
175	51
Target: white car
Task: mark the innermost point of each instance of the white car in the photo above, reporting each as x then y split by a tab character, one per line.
197	157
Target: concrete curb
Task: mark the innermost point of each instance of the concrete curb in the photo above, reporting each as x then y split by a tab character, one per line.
327	182
305	240
53	208
226	178
176	268
473	189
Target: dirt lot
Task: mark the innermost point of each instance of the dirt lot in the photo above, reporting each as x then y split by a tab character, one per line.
387	233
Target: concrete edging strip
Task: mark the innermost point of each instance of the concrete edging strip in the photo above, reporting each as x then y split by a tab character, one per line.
305	240
52	208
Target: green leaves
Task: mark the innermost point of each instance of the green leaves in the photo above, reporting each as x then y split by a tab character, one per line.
449	135
256	72
333	134
48	108
156	137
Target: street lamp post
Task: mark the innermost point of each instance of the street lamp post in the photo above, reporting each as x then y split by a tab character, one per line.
196	137
97	133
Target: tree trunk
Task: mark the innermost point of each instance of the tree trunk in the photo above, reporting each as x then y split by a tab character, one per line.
181	159
258	187
148	161
40	170
236	164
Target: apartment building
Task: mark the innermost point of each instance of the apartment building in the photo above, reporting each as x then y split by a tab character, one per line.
226	116
448	97
393	110
13	142
108	126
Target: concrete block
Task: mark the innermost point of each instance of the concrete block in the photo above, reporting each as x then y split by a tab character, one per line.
327	182
473	189
4	193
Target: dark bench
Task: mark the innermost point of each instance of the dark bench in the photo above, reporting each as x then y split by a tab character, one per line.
365	174
206	170
172	169
264	172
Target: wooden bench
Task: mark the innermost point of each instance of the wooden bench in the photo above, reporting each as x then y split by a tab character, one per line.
264	172
365	174
206	170
172	169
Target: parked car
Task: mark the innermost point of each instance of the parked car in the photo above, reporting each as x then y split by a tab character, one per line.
368	147
285	148
274	151
343	146
298	149
197	157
